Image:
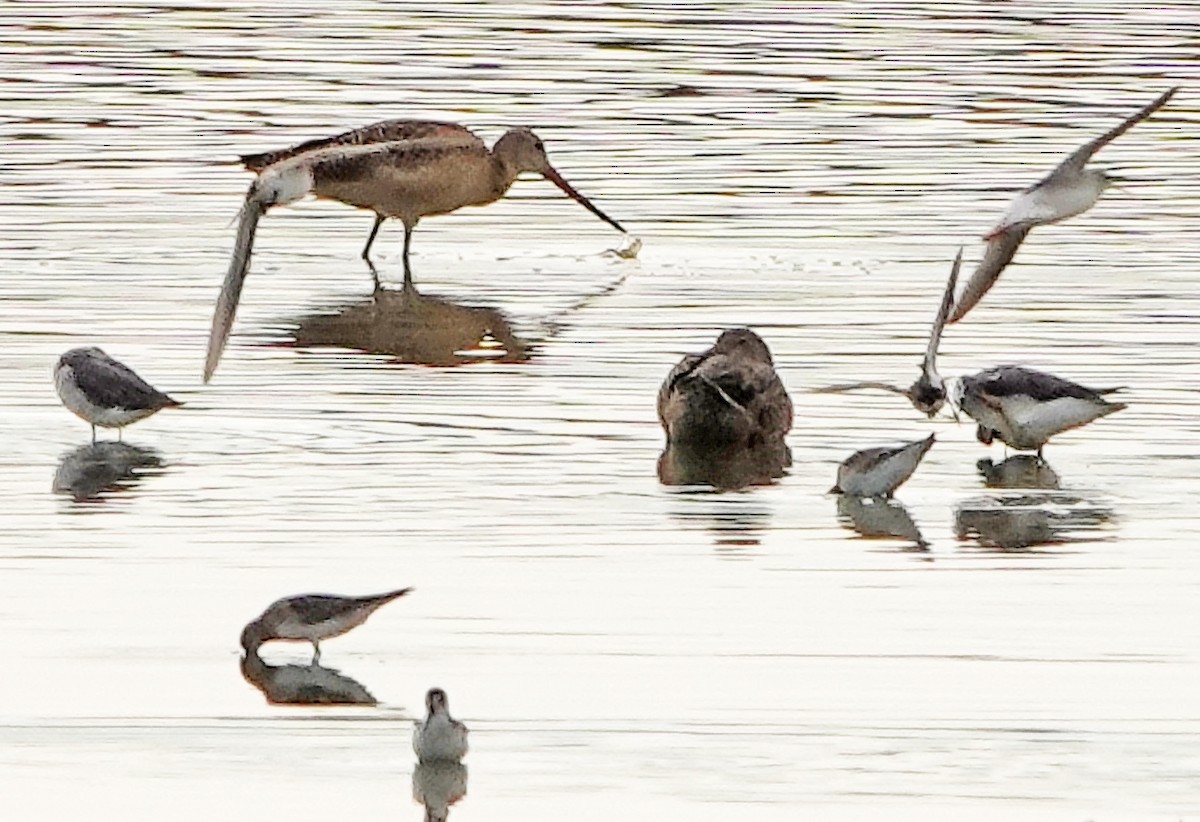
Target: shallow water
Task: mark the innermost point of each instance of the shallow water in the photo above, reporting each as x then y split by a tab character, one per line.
619	648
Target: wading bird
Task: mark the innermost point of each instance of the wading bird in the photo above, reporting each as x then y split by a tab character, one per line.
440	737
1069	189
407	180
105	392
878	472
312	618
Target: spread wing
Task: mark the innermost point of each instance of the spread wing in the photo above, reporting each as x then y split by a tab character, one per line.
999	253
1079	158
929	366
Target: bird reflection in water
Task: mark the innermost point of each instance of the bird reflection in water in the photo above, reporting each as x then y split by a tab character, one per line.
437	786
90	471
303	684
1025	520
415	328
1018	471
736	523
726	469
879	518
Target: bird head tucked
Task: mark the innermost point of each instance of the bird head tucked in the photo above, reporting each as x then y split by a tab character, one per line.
742	343
253	635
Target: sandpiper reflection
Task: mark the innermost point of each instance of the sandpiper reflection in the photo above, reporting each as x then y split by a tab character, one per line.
879	518
1018	471
92	470
437	786
311	684
415	328
1024	520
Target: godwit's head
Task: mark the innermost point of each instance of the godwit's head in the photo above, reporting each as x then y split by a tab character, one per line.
927	394
743	343
435	702
522	150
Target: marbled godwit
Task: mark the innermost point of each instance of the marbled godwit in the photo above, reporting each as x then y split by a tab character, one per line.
387	131
408	180
1070	189
105	392
440	738
312	618
1025	408
928	393
878	472
729	395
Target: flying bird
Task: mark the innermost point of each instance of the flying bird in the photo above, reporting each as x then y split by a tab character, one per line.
1070	189
104	391
928	393
407	179
1024	408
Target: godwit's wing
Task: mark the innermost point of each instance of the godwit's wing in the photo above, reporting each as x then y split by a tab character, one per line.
383	132
999	253
313	609
929	365
1079	158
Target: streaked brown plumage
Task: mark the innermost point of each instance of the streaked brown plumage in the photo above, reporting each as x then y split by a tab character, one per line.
407	180
313	617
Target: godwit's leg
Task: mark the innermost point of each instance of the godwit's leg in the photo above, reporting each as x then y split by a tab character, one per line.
408	230
93	433
120	434
366	252
374	275
316	652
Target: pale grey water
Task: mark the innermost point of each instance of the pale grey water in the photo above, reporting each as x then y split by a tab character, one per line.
619	649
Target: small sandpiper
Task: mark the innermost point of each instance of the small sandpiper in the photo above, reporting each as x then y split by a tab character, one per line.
727	396
1070	189
313	617
105	392
440	738
1024	408
878	472
928	393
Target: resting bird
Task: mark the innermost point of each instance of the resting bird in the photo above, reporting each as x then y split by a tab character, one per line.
313	617
387	131
928	393
878	472
440	738
105	392
409	179
1024	408
727	396
1070	189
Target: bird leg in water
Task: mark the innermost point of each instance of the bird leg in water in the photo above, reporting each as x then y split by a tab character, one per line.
366	252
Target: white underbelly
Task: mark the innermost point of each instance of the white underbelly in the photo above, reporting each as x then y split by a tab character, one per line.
78	403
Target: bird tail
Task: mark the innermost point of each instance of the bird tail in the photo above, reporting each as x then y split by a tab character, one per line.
278	186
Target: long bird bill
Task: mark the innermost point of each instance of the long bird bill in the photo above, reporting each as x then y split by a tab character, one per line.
231	289
556	178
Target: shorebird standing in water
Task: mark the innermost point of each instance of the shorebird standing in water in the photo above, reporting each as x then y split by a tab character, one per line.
1024	408
408	180
105	392
1070	189
387	131
928	393
878	472
440	738
312	618
727	396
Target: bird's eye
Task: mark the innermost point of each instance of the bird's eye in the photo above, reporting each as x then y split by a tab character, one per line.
538	145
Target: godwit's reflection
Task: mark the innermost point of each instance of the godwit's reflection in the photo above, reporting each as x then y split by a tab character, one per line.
415	328
876	518
437	786
726	469
1013	523
89	471
303	684
1018	471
